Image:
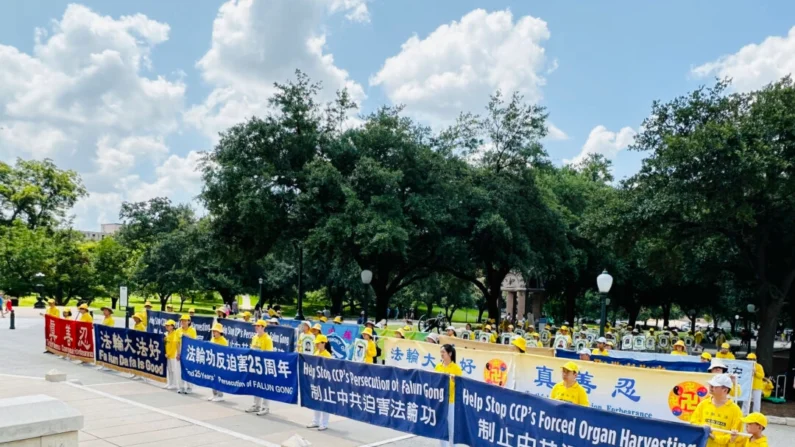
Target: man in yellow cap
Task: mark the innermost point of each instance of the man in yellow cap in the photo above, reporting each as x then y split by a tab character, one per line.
759	383
338	320
261	342
725	352
145	313
755	424
564	331
139	323
108	320
519	343
218	339
706	357
52	310
600	347
246	316
172	364
85	317
371	351
191	311
718	411
569	390
185	330
679	348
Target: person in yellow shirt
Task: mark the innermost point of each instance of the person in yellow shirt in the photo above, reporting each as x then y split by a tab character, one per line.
67	314
323	319
725	352
450	367
536	342
261	342
600	347
338	320
85	317
145	313
492	336
400	333
718	411
108	320
698	337
610	345
191	311
218	339
679	348
322	349
519	343
317	329
759	384
172	364
185	330
169	308
304	330
450	331
755	424
706	357
52	310
246	316
564	331
371	352
569	390
139	322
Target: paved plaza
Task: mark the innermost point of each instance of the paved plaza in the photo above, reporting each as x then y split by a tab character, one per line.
120	411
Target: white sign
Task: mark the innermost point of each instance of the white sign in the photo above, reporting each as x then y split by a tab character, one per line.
123	296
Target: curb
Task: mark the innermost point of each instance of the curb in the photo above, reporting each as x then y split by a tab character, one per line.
778	420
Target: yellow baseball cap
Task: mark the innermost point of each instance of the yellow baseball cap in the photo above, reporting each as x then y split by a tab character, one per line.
756	418
83	307
217	327
321	339
262	323
184	318
171	323
246	314
725	346
323	319
571	366
367	331
706	355
317	327
564	328
520	343
406	328
138	317
192	310
338	319
680	343
751	356
51	301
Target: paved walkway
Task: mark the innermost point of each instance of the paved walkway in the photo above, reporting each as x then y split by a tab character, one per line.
123	412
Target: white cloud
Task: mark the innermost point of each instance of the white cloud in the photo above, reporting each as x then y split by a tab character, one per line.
555	133
605	142
177	178
255	44
755	65
87	98
459	64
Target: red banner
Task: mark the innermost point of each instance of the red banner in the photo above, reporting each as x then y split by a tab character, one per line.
73	339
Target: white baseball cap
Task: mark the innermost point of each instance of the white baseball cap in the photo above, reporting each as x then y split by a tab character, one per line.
718	363
601	340
721	380
584	351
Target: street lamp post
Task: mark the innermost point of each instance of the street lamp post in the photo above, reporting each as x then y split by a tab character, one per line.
367	277
750	308
39	304
261	296
604	282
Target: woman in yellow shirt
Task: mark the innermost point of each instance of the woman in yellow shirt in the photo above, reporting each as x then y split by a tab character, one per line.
108	321
569	390
172	364
758	385
145	313
51	309
450	367
218	339
185	330
139	323
322	349
725	352
718	411
261	342
679	348
755	424
371	352
85	317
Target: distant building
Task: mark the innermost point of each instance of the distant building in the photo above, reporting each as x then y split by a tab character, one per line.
105	231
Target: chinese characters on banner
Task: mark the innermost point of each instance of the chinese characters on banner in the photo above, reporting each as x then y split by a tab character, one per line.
239	334
73	339
272	375
156	323
135	352
488	416
411	401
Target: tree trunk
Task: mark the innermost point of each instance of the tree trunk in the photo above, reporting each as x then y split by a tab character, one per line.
769	312
227	296
337	295
791	364
666	309
633	312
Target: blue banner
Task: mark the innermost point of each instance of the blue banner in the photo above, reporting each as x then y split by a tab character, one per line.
283	338
238	333
156	321
341	338
135	352
648	364
293	323
271	375
411	401
486	415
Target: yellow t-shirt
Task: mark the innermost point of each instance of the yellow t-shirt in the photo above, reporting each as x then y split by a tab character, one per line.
86	318
728	355
759	377
726	417
53	312
219	341
172	344
451	369
675	352
145	321
271	313
745	441
262	342
698	337
140	327
369	355
574	394
323	353
108	322
602	352
190	332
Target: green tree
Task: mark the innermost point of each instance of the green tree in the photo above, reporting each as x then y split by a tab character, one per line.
113	264
70	272
163	271
23	253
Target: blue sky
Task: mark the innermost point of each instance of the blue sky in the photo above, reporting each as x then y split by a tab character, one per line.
596	66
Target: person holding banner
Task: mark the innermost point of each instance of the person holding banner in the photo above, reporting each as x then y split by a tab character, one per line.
322	349
564	332
492	337
569	390
338	320
218	339
169	307
371	352
755	424
246	316
706	357
725	352
52	310
185	330
450	331
85	317
67	314
718	411
679	348
450	367
261	342
191	311
519	343
139	325
145	313
400	334
317	329
600	347
172	364
759	383
718	367
585	354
